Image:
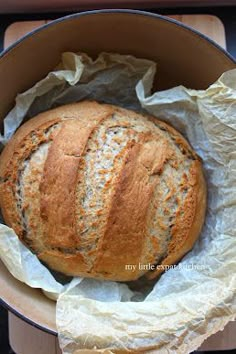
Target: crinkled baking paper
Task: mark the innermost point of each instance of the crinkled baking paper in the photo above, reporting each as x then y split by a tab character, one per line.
189	302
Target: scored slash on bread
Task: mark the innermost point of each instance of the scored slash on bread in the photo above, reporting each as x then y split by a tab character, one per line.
91	188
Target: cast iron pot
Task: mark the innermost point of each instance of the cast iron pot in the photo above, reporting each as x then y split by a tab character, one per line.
184	57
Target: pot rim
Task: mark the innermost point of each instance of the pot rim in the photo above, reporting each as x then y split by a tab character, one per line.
127	11
22	317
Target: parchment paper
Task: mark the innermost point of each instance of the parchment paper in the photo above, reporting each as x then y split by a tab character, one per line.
189	302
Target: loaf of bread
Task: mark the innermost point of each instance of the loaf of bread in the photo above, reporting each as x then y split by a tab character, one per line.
95	190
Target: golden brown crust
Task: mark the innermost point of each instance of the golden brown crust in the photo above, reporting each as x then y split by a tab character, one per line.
123	229
94	188
12	156
188	222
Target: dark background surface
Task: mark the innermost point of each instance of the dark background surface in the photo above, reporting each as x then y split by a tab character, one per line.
227	16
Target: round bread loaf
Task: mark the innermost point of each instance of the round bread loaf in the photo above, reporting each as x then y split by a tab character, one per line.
95	190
